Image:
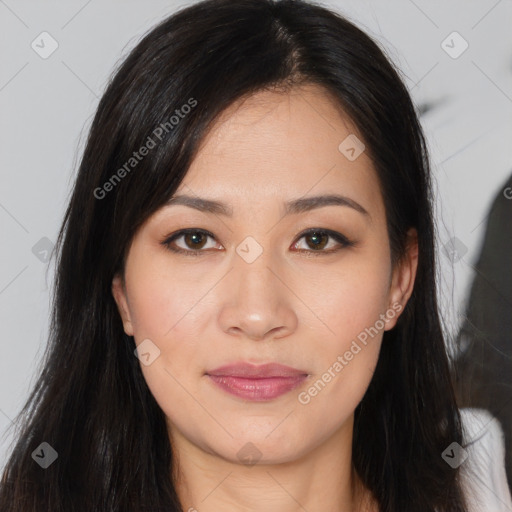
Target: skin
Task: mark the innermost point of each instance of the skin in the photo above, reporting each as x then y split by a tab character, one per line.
302	309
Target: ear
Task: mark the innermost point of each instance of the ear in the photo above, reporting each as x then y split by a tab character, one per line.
404	275
119	293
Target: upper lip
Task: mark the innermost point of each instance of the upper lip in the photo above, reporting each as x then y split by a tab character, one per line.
257	371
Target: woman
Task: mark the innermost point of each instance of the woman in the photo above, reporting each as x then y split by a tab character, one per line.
296	360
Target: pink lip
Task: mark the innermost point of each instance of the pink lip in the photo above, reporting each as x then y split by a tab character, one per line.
257	383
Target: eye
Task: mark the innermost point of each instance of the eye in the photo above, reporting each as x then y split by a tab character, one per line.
318	239
192	241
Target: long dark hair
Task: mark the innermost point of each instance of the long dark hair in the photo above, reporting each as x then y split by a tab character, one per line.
91	403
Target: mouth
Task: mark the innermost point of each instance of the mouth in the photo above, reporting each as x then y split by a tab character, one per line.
257	382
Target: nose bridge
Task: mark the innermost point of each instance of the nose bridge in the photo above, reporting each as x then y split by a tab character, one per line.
255	302
252	263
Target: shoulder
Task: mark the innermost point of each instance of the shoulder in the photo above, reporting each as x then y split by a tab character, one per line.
482	469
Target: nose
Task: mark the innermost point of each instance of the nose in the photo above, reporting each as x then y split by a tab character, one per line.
258	304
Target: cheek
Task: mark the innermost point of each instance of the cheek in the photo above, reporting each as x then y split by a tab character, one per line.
163	303
350	302
171	309
168	311
348	298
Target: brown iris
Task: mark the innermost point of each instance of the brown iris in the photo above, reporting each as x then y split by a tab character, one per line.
197	240
319	240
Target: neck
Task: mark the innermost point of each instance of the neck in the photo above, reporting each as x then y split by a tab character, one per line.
321	479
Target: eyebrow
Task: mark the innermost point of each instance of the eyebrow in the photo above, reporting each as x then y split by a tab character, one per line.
303	204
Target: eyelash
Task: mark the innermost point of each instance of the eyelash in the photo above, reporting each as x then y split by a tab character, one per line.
338	237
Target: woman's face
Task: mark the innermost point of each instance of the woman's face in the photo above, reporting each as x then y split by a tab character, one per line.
258	289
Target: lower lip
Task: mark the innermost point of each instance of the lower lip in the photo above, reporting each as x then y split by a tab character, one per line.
257	390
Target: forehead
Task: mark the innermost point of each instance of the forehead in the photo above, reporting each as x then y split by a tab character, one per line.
275	145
